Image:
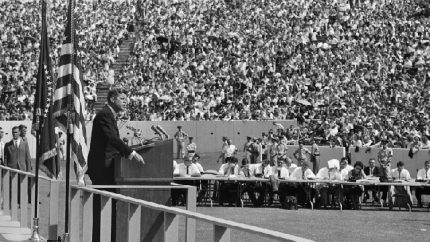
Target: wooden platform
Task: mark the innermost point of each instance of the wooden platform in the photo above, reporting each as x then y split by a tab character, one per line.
11	230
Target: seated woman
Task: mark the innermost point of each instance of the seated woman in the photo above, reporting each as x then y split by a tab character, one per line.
353	193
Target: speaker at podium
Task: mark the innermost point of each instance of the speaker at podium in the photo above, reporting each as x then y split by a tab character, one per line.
158	170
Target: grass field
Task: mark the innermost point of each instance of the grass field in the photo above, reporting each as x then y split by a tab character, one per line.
369	224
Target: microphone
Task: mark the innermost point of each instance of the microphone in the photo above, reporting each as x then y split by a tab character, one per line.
161	130
156	131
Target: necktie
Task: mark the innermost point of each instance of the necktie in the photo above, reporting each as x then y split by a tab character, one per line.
399	175
427	174
187	170
371	171
303	175
16	144
279	173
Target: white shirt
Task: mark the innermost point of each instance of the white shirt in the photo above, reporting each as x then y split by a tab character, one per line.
2	150
16	142
344	172
423	174
403	175
269	170
199	166
282	173
255	169
292	168
175	168
325	173
192	170
298	174
224	169
230	150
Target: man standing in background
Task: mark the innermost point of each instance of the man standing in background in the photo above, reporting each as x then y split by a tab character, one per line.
17	153
23	132
180	137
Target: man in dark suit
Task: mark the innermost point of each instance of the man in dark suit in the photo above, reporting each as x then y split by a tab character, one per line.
105	146
371	171
17	152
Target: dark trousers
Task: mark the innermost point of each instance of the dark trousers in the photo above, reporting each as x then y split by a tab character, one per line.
421	191
107	179
353	193
374	193
303	192
97	216
253	189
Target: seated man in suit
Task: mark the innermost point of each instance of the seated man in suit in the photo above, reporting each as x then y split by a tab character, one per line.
188	168
399	174
345	168
371	171
256	190
423	175
304	192
228	189
331	172
185	169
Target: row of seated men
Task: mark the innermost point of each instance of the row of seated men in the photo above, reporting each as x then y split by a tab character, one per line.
231	192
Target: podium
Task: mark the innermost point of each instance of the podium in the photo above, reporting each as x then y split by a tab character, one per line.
158	170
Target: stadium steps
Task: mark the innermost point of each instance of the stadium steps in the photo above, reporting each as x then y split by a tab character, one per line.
122	60
102	91
123	55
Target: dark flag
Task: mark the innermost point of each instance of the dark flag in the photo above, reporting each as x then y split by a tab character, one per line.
69	96
42	112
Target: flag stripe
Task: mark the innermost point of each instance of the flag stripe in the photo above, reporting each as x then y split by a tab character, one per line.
69	94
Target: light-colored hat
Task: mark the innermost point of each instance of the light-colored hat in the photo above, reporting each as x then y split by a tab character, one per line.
333	163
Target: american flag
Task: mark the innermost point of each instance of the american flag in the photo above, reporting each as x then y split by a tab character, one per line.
69	96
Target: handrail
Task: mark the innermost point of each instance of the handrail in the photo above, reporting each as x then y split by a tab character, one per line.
14	180
25	173
271	234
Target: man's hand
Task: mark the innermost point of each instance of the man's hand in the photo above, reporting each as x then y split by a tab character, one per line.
138	158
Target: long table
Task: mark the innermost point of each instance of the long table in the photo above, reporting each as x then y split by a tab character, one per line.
240	180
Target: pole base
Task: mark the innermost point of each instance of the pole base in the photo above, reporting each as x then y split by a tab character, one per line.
35	234
66	237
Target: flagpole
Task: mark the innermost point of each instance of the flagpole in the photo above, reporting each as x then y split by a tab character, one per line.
66	237
35	233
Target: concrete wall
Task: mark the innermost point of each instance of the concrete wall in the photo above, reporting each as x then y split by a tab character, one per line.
412	165
207	134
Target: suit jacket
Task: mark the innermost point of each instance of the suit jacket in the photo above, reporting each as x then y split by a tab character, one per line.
17	157
376	171
105	146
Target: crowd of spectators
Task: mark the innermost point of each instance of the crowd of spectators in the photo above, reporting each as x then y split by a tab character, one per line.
338	68
341	68
101	26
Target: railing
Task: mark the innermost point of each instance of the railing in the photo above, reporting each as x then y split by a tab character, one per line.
81	219
12	181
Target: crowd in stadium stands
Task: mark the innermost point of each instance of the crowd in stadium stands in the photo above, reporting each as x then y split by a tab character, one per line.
100	30
335	67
